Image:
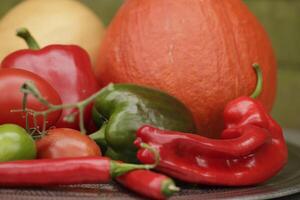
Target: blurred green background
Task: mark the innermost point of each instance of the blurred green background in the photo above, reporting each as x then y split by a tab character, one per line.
281	18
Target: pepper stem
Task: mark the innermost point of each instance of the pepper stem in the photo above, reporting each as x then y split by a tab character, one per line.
30	41
118	168
259	82
99	137
169	188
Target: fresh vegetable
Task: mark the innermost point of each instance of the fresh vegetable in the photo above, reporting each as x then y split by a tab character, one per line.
15	143
29	88
251	150
148	183
125	107
62	171
197	51
66	67
52	22
11	103
120	110
65	142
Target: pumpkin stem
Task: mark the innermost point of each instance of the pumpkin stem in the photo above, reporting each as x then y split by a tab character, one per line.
259	82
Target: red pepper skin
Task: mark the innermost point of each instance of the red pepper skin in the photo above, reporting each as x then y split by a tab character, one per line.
148	183
66	67
65	171
59	171
252	149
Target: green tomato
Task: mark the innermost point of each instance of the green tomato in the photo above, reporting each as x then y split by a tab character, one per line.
16	143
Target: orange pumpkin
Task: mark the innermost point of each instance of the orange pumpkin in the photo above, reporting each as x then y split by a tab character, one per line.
200	51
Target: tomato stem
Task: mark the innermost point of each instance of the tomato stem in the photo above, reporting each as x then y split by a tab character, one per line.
24	104
29	88
30	41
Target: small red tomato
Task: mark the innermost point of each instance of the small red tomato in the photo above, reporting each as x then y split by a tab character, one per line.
11	97
66	142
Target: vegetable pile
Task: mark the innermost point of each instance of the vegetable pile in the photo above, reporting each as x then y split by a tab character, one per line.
199	51
59	127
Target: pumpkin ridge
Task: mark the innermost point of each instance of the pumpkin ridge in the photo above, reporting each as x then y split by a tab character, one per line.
233	38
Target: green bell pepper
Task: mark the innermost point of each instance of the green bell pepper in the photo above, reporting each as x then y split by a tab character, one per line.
120	109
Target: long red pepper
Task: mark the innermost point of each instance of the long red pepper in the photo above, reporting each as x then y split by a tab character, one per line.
201	160
251	149
63	171
148	183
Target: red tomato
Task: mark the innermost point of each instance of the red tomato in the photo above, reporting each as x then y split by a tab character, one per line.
66	142
11	97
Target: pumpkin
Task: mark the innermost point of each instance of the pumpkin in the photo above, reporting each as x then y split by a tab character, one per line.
200	51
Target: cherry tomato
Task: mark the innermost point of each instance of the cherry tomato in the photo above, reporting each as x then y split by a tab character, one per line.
11	97
66	142
16	143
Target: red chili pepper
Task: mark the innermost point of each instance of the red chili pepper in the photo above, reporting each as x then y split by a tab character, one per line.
148	183
62	171
66	67
251	149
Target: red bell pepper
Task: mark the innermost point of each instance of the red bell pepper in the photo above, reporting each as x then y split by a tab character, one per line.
251	149
66	67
